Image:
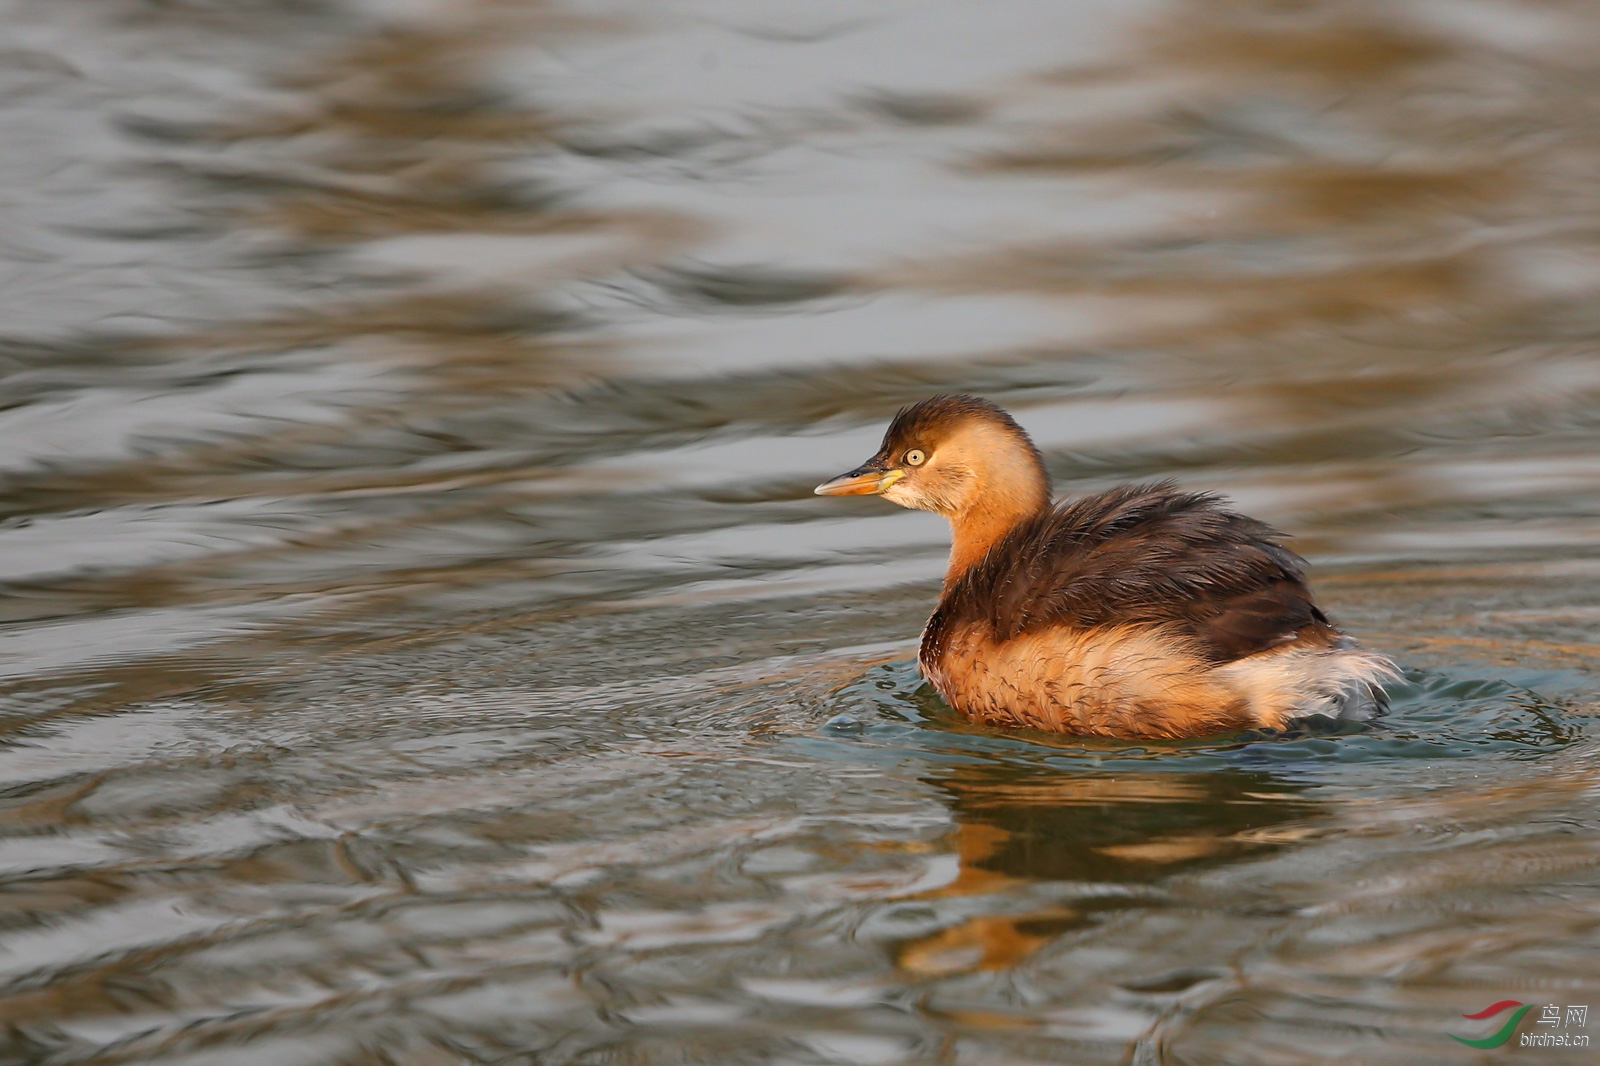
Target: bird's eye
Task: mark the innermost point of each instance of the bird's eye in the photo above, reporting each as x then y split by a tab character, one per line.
915	457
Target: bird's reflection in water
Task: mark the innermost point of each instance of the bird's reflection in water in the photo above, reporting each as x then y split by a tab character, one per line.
1016	826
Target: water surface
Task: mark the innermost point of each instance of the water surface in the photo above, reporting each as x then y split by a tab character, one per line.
421	645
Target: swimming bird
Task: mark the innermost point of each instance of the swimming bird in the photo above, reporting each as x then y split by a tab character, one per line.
1143	611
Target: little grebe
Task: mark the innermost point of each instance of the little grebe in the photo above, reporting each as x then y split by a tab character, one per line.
1139	612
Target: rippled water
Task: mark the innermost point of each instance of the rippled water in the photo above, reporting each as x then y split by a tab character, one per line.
421	645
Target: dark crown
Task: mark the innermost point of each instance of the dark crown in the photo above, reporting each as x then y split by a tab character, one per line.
928	421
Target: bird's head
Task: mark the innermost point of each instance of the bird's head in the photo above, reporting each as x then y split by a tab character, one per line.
951	455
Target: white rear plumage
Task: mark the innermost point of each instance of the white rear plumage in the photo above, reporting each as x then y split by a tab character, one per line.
1343	681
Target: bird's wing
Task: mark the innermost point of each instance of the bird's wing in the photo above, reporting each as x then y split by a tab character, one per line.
1231	627
1145	554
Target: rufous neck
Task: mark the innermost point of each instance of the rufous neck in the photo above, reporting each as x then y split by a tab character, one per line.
974	532
1004	482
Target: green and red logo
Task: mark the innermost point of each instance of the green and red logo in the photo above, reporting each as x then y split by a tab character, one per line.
1502	1034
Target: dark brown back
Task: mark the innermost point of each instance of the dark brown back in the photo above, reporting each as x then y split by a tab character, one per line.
1140	554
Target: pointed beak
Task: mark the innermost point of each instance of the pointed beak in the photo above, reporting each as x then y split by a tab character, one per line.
868	479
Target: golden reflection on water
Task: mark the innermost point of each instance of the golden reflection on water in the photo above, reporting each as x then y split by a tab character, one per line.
1012	829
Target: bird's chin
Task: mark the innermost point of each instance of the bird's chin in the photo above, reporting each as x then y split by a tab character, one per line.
906	496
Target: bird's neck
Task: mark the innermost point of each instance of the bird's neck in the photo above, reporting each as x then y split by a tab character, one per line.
974	531
1001	481
971	537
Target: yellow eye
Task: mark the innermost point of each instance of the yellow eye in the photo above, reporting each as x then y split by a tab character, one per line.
915	457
